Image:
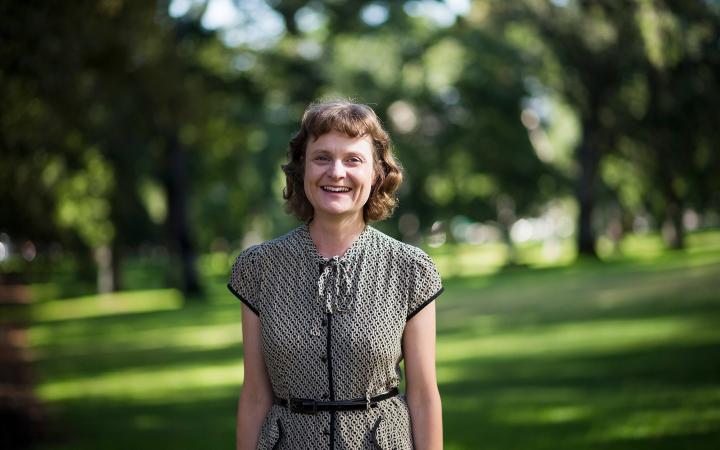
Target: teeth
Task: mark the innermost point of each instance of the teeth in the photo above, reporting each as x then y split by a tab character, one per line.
336	189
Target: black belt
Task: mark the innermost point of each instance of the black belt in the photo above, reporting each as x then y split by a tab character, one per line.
312	406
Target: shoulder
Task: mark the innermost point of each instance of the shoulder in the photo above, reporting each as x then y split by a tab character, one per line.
275	247
419	275
397	249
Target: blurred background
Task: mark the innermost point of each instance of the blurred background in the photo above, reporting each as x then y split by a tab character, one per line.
562	168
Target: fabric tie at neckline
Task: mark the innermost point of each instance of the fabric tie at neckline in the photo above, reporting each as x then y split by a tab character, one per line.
334	284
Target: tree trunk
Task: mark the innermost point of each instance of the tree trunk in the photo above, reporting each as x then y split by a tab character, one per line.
177	223
104	261
23	419
116	256
505	207
672	229
588	158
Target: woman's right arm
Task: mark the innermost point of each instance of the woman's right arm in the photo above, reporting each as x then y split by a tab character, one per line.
256	394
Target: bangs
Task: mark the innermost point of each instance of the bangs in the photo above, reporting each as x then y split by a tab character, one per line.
351	119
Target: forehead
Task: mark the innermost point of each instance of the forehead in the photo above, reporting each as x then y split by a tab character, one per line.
335	141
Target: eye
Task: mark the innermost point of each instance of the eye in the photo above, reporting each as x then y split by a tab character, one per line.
320	158
355	160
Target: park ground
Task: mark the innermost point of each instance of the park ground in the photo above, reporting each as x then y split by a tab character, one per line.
620	354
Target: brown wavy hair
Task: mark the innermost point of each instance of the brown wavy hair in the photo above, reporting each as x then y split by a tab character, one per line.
354	120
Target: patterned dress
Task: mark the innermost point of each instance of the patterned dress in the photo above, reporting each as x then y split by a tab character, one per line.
331	329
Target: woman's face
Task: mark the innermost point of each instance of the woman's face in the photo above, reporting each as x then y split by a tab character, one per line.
339	172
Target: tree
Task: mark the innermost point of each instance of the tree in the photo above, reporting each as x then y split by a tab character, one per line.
680	71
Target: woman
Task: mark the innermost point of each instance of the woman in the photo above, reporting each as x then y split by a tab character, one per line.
331	308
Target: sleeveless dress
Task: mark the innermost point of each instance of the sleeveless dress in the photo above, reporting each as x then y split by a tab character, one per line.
331	329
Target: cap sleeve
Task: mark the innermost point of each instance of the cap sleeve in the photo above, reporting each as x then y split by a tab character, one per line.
425	285
245	278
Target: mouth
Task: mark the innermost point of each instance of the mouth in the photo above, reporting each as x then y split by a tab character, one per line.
335	189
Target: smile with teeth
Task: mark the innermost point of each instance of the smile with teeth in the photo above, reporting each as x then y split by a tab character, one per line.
335	188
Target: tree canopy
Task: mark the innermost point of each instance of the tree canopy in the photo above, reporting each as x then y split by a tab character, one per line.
134	123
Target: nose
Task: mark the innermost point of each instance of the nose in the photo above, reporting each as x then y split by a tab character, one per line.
336	170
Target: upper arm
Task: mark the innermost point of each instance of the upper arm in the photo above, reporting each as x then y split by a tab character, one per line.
419	352
419	335
256	381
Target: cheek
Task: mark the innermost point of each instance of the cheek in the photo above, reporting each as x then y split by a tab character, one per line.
307	182
308	174
367	182
372	178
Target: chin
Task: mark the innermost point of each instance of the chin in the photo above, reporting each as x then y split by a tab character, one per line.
336	212
339	212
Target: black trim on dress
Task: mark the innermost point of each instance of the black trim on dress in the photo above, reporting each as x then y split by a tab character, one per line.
240	297
424	304
330	378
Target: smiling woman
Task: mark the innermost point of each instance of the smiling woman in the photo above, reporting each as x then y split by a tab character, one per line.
349	124
331	308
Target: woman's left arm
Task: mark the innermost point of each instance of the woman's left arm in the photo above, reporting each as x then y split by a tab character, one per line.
423	396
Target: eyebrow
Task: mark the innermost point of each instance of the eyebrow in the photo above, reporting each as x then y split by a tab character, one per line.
324	150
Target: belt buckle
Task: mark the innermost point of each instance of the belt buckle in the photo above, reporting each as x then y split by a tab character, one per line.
302	406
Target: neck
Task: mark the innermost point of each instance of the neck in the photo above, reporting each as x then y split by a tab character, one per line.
334	237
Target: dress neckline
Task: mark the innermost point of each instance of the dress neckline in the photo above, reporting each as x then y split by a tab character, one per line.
350	253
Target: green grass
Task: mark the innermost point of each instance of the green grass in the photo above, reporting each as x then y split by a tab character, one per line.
623	354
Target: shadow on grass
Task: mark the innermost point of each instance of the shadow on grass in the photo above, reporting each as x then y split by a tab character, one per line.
192	421
654	398
617	355
69	367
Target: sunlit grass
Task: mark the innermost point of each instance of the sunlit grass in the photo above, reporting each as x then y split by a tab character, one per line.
108	305
614	355
143	385
75	339
577	338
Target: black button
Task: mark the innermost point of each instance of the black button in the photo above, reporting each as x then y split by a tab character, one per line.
324	322
326	432
324	396
323	358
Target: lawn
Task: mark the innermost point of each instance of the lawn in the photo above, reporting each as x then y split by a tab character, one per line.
623	354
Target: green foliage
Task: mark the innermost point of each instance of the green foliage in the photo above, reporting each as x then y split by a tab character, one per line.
83	204
488	110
